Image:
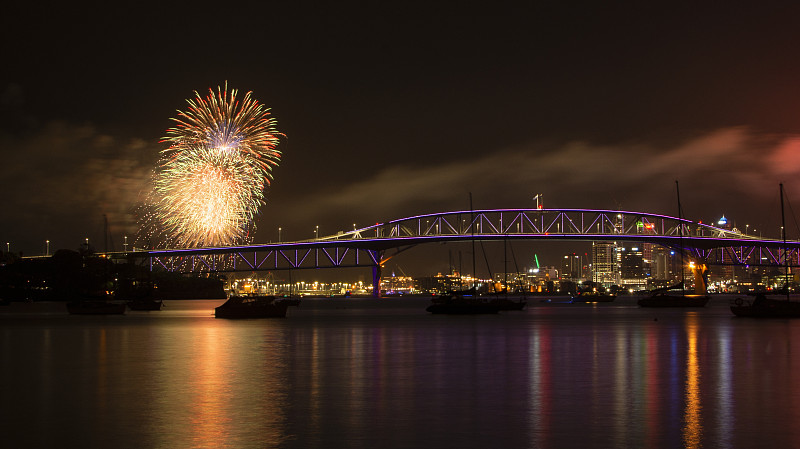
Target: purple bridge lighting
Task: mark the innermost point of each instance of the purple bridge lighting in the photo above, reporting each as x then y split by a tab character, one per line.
373	245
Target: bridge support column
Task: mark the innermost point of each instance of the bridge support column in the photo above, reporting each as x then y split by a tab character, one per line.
376	280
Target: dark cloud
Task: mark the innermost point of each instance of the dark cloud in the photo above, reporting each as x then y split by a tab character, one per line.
58	184
731	171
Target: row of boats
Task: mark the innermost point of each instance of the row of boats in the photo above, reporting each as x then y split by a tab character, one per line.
105	307
760	305
466	302
250	306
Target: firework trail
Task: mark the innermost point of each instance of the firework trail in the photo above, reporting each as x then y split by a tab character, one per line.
209	183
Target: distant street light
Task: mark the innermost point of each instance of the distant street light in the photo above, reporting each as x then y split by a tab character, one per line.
279	235
316	232
8	247
47	247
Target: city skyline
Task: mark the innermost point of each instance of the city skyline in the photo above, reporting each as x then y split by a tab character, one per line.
389	116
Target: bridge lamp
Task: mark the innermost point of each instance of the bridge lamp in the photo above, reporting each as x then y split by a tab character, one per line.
47	247
316	232
279	235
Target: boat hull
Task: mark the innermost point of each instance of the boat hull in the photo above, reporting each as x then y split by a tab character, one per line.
462	309
145	305
594	298
239	307
762	307
505	304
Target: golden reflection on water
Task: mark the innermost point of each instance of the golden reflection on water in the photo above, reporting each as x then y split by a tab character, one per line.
208	418
693	426
102	367
221	385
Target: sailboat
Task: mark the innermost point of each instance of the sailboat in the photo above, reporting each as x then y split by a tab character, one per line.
669	297
763	306
95	297
501	298
139	295
463	302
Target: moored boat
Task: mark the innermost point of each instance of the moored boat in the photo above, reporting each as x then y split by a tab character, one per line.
762	306
251	307
593	296
147	304
765	307
459	303
290	301
139	295
507	304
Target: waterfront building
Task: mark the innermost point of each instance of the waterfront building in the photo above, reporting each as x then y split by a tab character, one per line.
398	285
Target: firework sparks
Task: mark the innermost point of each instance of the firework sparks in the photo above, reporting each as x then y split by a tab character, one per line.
209	183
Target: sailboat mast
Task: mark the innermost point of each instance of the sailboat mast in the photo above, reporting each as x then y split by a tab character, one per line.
505	266
105	233
785	249
472	235
680	238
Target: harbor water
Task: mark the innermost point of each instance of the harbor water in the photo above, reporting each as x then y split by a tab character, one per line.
383	373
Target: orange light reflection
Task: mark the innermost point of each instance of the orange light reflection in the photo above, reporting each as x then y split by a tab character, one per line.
693	426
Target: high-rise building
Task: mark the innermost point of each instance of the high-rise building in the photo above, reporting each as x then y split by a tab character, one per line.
661	268
604	263
632	265
572	267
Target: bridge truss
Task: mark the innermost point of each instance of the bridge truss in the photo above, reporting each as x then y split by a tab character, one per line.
371	246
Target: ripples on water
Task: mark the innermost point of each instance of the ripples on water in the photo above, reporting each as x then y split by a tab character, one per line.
384	373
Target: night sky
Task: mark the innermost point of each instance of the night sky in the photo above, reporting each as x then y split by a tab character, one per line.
396	112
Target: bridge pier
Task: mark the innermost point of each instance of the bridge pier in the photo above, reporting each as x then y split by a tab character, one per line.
376	280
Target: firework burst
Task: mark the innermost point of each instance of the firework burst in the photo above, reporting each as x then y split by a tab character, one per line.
209	183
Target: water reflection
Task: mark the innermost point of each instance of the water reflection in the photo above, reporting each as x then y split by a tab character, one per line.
693	426
208	377
724	384
539	385
559	377
219	385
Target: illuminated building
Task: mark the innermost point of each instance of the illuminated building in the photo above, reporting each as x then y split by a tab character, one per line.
604	263
633	270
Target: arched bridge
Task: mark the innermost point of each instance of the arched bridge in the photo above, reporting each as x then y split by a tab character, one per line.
372	245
